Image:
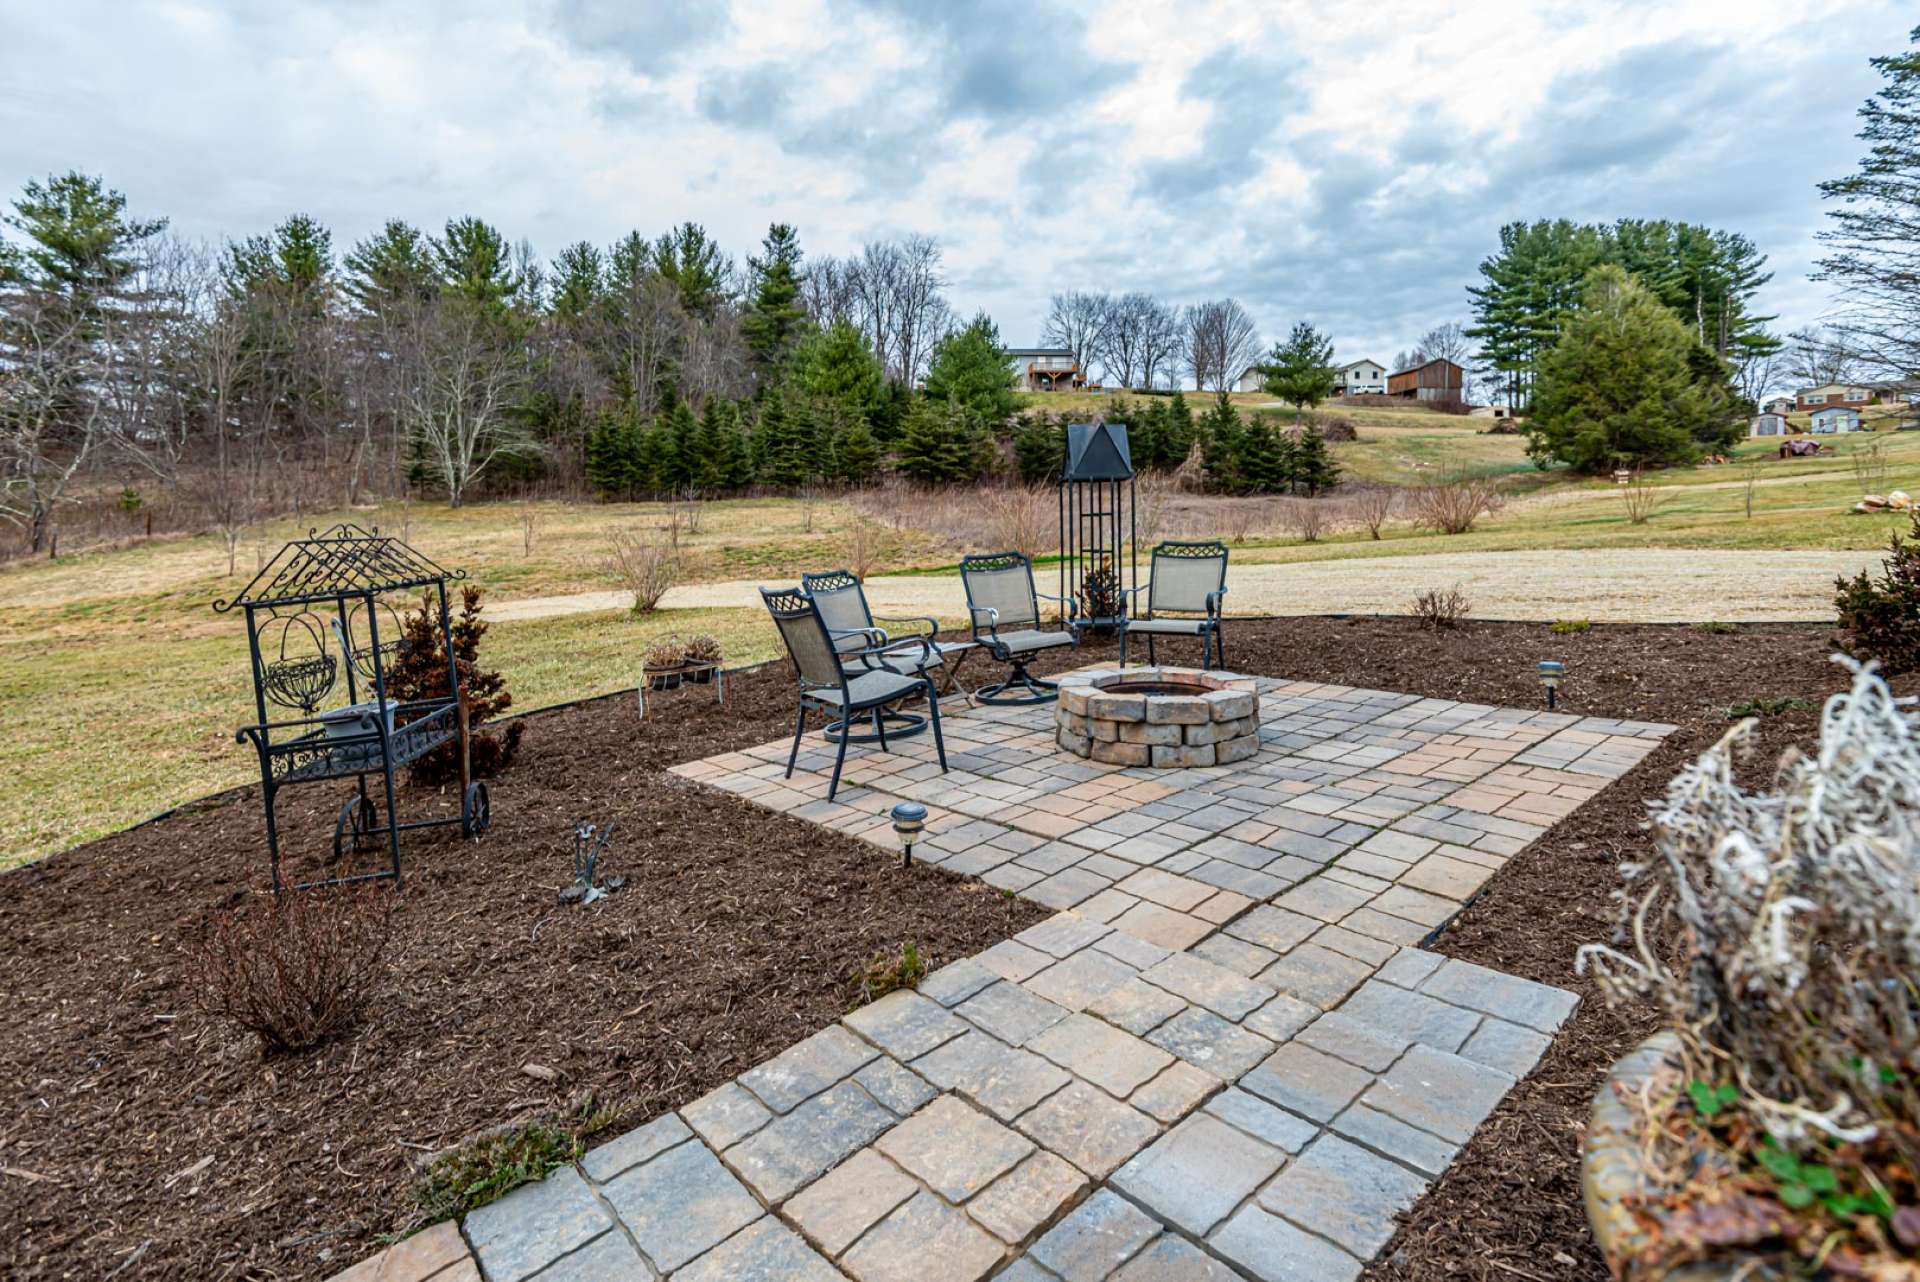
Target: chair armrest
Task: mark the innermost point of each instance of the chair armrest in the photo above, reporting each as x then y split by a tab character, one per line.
876	636
1073	607
1213	602
933	625
993	619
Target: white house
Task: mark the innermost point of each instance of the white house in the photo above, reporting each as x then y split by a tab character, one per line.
1252	379
1837	418
1768	424
1778	405
1045	369
1360	378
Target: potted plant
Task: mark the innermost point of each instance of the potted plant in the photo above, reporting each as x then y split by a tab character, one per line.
702	657
1773	1129
664	664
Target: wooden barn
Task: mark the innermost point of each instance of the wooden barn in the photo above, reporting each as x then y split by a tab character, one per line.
1437	380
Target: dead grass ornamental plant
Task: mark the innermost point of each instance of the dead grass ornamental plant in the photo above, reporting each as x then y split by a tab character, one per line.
1440	609
1452	506
1642	499
296	970
646	565
1778	933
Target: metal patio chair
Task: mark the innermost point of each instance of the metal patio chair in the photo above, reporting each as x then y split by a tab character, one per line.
840	684
1188	579
843	604
1005	611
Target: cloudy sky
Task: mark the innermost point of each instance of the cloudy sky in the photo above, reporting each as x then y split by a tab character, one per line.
1346	164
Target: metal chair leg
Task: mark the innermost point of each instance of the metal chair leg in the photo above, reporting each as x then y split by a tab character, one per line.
1220	643
933	711
839	760
880	727
799	728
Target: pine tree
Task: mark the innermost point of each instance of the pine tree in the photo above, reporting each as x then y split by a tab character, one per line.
1179	429
687	257
1623	387
969	366
390	270
1221	432
1264	457
81	245
1039	448
941	442
836	368
1300	370
680	461
475	263
1313	467
579	281
774	319
708	466
784	443
856	453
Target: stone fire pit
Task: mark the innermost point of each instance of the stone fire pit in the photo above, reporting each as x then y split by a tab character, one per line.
1171	717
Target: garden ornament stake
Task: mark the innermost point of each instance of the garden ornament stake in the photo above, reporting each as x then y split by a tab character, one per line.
909	821
1551	670
589	843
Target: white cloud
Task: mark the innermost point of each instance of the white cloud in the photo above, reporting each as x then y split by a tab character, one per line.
1348	165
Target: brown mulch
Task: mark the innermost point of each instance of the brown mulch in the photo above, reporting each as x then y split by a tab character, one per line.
737	935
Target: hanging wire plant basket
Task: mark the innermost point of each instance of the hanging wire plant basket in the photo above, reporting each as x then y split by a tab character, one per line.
298	682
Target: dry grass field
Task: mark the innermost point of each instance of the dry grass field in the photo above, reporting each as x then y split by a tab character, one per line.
121	687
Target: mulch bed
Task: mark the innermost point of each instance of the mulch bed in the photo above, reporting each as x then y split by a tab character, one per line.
737	935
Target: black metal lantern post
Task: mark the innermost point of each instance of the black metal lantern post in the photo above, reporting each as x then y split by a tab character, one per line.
1097	525
344	573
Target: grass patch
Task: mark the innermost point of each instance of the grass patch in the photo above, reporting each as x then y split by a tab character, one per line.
887	972
489	1167
1567	627
1766	708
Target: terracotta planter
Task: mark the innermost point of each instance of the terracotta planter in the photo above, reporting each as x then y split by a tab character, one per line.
1611	1167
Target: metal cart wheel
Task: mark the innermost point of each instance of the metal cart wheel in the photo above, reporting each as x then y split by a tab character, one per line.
476	810
354	828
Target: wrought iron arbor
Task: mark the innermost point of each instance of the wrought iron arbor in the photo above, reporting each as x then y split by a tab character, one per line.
336	582
1097	525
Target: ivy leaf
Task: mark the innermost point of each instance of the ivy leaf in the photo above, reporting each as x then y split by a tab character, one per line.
1708	1101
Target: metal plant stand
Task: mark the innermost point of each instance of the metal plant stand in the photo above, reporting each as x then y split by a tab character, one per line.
337	582
1097	526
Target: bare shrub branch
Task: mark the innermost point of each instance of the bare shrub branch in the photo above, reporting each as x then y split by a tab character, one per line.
1452	506
298	970
1439	610
646	565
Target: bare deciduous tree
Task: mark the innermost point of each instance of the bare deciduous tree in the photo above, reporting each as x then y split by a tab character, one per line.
1161	339
1077	321
1221	343
463	371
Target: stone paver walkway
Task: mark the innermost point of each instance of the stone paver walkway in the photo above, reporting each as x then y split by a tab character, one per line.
1226	1056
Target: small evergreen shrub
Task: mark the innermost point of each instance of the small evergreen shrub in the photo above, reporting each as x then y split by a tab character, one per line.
1880	618
420	672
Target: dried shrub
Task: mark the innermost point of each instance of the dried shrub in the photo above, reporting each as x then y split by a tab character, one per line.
1779	935
1452	506
668	652
296	970
420	672
1152	494
1642	500
1021	518
1335	427
1374	506
645	565
1439	609
703	647
1306	519
1239	517
863	547
887	972
1880	618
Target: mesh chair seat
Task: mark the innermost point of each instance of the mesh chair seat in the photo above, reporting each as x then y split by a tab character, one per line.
1028	640
1170	627
870	688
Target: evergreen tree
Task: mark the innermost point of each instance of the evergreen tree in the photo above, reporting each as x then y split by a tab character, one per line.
707	469
1178	430
836	368
943	441
737	467
774	318
889	412
1313	467
969	366
390	269
1300	370
81	245
784	443
856	453
475	264
579	281
688	258
1623	387
1220	434
1039	449
614	464
1263	458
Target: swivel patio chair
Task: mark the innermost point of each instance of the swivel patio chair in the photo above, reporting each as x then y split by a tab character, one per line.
840	684
843	604
1188	580
1005	611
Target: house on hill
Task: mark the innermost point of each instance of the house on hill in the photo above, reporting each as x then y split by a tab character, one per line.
1767	424
1837	418
1436	380
1814	398
1252	379
1045	369
1778	405
1360	378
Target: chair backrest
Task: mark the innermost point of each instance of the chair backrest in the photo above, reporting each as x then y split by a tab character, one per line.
843	605
1001	581
805	633
1184	575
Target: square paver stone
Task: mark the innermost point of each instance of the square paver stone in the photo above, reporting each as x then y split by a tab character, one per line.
805	1069
680	1204
1286	1131
850	1199
1089	1128
1027	1196
1013	1013
904	1024
726	1114
1174	1259
1137	1006
1438	1092
636	1146
1201	982
538	1223
1306	1081
1195	1174
764	1251
1101	1053
1104	1232
1075	982
1341	1191
1203	1039
608	1258
1176	1092
1519	1001
900	1090
789	1152
1317	975
1269	1248
1406	1017
954	1149
1004	1080
924	1240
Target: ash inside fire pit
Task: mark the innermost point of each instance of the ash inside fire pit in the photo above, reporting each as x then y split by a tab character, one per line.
1171	717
